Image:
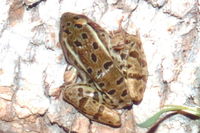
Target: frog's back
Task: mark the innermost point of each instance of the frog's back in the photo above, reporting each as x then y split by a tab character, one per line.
86	43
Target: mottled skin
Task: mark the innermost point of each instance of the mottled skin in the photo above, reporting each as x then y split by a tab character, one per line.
113	65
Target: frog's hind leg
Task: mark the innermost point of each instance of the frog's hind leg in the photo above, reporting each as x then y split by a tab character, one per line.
136	69
128	52
89	102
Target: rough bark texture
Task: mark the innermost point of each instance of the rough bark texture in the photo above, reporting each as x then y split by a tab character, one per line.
32	63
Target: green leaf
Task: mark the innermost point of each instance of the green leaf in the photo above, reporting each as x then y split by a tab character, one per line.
152	120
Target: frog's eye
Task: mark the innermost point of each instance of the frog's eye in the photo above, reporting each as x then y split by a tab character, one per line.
78	25
76	17
67	31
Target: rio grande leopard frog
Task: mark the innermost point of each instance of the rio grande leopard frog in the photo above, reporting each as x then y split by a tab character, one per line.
113	67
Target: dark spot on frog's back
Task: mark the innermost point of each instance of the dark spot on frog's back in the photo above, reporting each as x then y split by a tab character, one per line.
80	92
89	70
124	93
134	54
135	76
123	56
95	45
120	81
101	84
108	64
84	35
111	92
77	43
93	57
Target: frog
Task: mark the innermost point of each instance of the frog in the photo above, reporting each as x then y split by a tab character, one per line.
111	65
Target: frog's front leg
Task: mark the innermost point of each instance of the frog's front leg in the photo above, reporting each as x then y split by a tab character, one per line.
89	102
71	75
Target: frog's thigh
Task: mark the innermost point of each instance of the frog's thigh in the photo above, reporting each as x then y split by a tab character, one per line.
89	101
136	71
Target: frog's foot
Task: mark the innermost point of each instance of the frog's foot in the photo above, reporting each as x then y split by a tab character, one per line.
89	102
70	75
